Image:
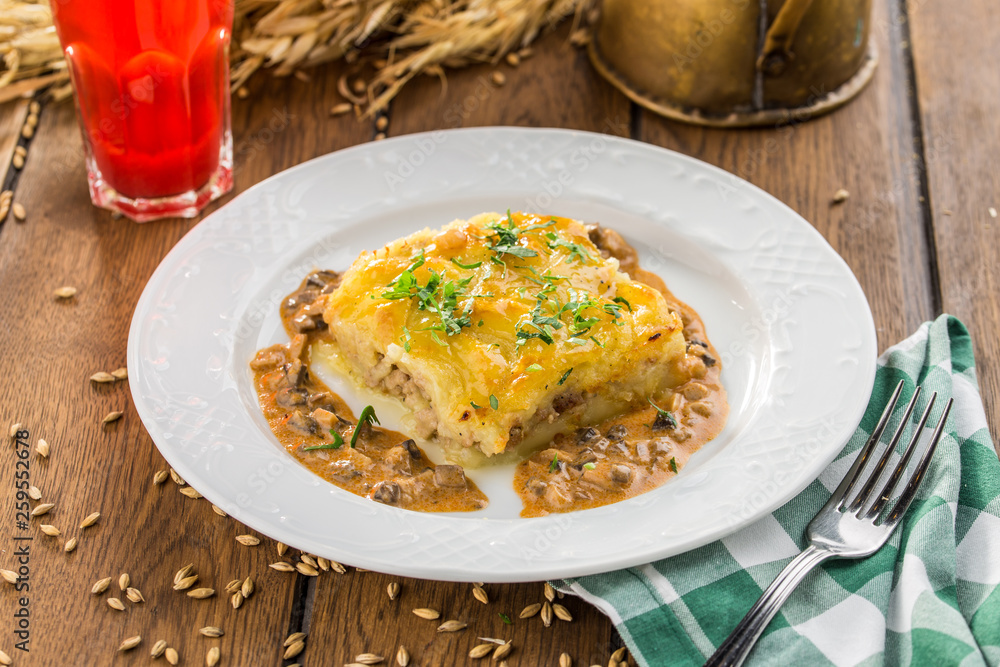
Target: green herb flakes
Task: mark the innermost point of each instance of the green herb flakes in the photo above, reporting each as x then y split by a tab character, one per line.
369	417
469	267
504	240
337	442
576	251
664	419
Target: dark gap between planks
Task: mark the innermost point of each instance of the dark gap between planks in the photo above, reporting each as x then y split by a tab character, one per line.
923	188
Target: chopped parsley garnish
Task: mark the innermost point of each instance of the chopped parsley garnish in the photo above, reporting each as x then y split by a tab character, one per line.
575	249
530	278
505	618
504	240
621	299
367	417
473	404
589	466
547	315
664	420
438	296
465	266
599	343
533	368
541	225
494	403
406	338
578	303
544	324
673	464
524	336
337	442
555	463
565	375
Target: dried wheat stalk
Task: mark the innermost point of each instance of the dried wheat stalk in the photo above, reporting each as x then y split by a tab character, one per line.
395	39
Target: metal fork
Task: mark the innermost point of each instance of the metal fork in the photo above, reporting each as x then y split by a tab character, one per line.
846	527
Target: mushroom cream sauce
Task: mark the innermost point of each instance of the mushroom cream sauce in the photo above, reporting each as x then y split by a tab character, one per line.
598	465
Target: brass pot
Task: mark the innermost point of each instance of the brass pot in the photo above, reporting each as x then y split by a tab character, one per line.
735	63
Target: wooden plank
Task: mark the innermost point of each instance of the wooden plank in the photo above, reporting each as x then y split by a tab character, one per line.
353	614
554	87
50	349
284	121
957	94
866	148
12	117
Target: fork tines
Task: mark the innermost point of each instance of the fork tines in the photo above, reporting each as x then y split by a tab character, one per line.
909	491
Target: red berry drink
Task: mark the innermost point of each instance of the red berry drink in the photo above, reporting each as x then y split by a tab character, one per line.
152	91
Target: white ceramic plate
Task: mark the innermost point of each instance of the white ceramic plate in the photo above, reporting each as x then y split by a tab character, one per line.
785	312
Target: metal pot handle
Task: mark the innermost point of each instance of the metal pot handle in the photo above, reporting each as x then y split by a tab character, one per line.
776	52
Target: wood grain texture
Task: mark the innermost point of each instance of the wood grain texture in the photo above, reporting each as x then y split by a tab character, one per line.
885	232
866	148
554	87
366	620
11	120
51	347
959	106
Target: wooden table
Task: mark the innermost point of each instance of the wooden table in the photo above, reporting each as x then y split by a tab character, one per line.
917	152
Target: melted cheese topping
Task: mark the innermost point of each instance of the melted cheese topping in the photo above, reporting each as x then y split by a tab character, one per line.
502	330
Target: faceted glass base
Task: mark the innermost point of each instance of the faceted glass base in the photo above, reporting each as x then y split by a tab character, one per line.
183	205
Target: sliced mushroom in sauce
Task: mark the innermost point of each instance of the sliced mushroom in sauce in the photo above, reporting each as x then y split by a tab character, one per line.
316	426
290	398
616	433
664	421
302	423
450	476
586	435
386	492
622	473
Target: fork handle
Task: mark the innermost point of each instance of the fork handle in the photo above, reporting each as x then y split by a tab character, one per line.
736	648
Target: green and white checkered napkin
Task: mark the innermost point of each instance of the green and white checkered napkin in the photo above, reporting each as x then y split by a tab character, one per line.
928	597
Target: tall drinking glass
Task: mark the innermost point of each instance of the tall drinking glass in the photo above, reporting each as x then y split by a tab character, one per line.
152	92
